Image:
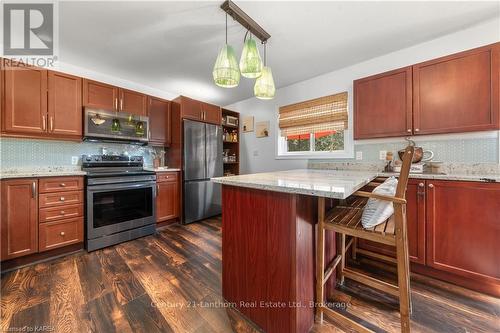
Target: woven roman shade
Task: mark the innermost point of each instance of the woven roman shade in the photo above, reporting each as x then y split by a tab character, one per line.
322	114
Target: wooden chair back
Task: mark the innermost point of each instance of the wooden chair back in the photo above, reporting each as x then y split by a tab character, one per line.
405	172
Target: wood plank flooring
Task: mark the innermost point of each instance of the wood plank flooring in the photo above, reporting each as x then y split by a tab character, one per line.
171	282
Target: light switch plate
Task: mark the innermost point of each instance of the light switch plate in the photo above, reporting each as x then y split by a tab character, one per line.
359	155
382	154
74	160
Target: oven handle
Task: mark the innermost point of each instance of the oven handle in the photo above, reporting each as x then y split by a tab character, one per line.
107	187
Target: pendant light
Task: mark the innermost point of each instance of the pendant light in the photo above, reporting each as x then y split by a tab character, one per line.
250	62
226	73
264	85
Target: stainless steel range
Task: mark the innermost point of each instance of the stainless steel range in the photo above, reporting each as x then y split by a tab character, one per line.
120	199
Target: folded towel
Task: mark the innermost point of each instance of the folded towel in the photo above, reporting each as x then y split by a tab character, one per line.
378	211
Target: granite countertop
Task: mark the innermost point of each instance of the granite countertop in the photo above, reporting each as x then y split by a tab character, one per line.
321	183
440	176
162	169
40	172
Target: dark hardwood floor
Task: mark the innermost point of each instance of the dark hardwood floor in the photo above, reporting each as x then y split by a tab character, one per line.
171	282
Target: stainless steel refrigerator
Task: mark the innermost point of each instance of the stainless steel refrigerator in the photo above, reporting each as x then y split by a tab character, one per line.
202	160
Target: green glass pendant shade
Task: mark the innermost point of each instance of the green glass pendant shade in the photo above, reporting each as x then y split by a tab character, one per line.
250	62
264	85
226	72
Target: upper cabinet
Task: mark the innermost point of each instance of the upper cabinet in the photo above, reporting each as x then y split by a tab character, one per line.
25	101
104	96
41	103
100	95
201	111
159	121
382	105
456	93
65	104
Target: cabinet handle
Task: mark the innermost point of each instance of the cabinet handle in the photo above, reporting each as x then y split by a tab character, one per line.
121	104
63	212
417	129
33	190
421	185
116	103
62	233
52	124
157	189
62	199
431	185
62	185
44	123
409	130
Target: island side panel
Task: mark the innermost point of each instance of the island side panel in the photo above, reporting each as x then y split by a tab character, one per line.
268	242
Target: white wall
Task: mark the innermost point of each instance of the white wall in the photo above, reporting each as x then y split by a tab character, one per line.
341	80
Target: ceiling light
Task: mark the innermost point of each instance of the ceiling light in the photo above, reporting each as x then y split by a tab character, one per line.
226	73
264	85
250	62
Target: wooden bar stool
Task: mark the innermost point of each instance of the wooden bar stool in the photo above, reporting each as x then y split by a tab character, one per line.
345	220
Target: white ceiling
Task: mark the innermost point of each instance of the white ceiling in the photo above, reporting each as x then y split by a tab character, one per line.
172	46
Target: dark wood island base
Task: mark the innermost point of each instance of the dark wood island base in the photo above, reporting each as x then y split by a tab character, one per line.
268	251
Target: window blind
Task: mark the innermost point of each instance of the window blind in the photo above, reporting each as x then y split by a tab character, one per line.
328	113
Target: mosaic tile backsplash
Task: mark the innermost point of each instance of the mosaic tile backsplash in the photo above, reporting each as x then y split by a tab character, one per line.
25	153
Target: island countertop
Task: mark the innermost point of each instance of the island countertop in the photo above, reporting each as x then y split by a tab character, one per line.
321	183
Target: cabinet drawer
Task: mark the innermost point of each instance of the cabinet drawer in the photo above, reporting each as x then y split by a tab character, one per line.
166	177
60	212
60	233
60	198
58	184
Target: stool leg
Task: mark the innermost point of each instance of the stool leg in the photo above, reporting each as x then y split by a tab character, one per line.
320	259
354	247
341	250
403	268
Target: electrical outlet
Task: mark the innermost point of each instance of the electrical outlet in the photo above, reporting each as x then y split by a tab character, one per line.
359	155
74	160
255	152
382	154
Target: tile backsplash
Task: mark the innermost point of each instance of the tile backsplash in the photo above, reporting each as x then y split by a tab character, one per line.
25	153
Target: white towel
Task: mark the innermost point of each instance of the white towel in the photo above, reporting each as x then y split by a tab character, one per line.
377	211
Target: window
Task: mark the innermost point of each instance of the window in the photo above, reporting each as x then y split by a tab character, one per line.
316	127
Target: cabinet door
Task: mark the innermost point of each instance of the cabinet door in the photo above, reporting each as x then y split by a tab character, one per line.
167	201
100	95
25	101
133	102
190	108
457	93
382	105
65	105
415	215
19	223
211	113
463	229
159	121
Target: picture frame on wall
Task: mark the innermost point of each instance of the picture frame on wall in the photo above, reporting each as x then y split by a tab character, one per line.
262	129
248	124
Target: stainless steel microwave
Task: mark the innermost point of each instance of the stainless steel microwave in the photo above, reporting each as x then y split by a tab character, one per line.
113	126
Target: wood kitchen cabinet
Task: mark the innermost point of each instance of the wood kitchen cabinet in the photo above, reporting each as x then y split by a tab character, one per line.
383	105
167	197
19	222
133	102
25	106
200	111
100	95
463	229
64	105
159	121
415	214
457	93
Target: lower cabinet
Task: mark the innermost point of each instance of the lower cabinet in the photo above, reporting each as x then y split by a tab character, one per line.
40	215
19	221
453	227
167	196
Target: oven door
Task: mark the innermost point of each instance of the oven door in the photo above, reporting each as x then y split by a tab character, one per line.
113	208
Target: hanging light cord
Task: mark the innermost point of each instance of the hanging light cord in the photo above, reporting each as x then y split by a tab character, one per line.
226	28
265	43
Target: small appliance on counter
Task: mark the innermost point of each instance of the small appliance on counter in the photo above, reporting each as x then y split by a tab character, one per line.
120	203
419	158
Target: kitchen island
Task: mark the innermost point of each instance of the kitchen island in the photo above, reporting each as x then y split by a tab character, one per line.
268	242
